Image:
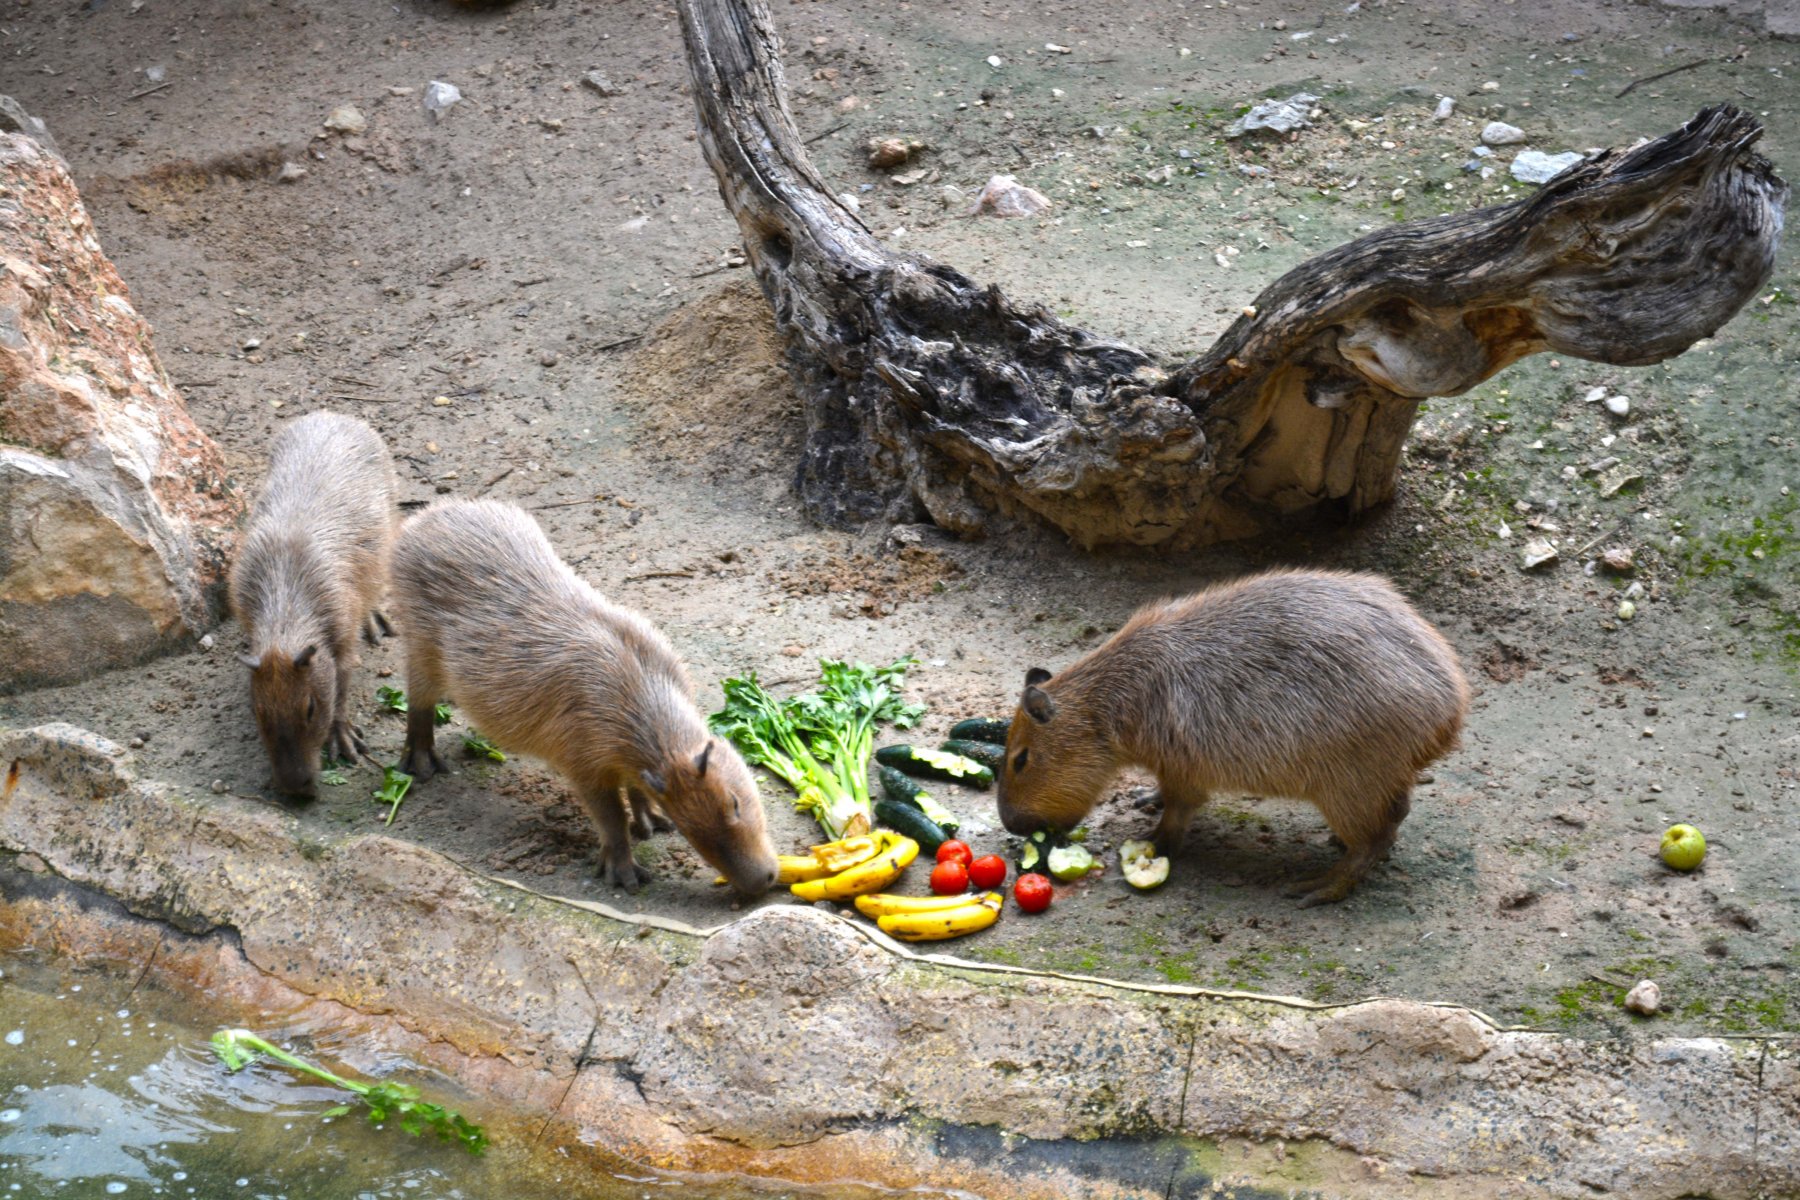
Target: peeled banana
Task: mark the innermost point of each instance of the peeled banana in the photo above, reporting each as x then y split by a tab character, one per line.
845	853
869	876
934	925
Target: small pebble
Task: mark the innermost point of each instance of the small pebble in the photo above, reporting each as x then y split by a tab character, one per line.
1618	406
206	641
219	788
1645	998
1627	610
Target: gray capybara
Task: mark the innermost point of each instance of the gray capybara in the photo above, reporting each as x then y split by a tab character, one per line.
1316	685
308	577
541	663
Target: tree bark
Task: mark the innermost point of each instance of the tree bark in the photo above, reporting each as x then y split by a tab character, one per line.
924	388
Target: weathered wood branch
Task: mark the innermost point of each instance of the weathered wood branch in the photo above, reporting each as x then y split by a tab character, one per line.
922	387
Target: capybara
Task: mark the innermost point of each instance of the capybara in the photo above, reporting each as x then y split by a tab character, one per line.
308	577
544	665
1316	685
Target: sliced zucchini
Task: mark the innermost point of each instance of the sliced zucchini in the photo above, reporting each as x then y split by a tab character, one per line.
909	820
989	754
905	790
922	762
982	729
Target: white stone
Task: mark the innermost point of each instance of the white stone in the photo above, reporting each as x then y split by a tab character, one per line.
1534	166
1618	406
1499	133
1645	998
1537	552
346	118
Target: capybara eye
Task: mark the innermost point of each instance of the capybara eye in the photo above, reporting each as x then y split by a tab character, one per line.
1019	760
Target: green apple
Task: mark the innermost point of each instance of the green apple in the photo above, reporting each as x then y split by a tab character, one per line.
1144	868
1683	847
1069	863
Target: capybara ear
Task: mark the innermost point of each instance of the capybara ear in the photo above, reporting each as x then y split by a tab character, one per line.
1038	705
654	781
1036	676
251	661
305	657
700	759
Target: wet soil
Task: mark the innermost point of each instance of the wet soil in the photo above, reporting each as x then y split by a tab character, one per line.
533	299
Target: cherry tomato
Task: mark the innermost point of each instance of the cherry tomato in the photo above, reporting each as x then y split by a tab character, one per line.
988	872
1032	892
955	851
949	878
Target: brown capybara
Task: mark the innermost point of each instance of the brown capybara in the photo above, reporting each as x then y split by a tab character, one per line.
544	665
308	577
1320	686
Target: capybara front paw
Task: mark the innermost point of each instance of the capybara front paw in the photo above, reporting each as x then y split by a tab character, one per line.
346	743
376	627
622	871
422	762
1328	888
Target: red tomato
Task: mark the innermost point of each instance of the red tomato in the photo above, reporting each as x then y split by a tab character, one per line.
955	851
949	878
988	872
1032	892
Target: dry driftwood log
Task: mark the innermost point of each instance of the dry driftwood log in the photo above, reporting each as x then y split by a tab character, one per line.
922	387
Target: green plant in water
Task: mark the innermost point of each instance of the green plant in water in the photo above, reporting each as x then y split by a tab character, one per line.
238	1048
394	783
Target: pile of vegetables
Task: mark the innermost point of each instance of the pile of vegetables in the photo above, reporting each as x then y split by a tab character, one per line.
819	743
238	1048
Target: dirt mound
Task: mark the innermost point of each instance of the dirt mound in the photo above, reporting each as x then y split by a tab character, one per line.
709	381
876	585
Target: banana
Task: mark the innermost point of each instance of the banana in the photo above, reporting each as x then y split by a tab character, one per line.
845	853
945	923
865	877
795	868
886	904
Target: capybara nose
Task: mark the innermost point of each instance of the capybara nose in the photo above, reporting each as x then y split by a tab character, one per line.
1018	823
757	883
304	788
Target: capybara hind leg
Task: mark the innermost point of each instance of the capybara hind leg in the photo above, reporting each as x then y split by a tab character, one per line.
606	804
377	627
1179	805
646	818
1362	855
423	687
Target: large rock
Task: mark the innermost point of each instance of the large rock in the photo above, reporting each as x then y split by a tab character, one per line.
115	514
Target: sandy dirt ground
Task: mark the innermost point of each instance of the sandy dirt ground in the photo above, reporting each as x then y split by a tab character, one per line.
533	298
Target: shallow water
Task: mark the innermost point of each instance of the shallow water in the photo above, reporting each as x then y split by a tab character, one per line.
101	1097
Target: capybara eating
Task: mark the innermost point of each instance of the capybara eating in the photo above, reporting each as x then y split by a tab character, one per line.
1320	686
544	665
307	579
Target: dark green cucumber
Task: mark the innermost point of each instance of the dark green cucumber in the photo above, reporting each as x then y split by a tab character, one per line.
921	762
988	754
906	819
981	729
905	790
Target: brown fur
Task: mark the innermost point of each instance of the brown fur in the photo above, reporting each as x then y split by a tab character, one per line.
544	665
1320	686
308	578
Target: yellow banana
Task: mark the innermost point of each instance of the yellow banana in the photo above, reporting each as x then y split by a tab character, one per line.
845	853
886	904
870	876
795	868
944	923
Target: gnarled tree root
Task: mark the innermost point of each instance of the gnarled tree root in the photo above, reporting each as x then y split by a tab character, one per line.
922	387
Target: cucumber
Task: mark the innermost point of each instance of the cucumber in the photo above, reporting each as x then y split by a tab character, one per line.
982	729
903	790
919	761
989	754
906	819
